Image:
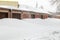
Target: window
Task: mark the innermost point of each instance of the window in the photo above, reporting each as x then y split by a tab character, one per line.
16	15
41	16
50	16
33	16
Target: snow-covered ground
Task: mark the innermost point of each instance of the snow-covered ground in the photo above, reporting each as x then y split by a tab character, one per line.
46	22
29	29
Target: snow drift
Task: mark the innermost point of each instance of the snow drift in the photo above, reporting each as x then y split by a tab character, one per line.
14	29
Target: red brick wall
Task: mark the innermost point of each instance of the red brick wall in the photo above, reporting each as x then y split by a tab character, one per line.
57	17
45	16
25	15
37	15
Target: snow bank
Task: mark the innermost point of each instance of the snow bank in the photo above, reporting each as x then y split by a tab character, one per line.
14	29
18	30
46	22
50	23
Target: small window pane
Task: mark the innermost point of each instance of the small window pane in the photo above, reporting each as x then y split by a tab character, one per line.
33	16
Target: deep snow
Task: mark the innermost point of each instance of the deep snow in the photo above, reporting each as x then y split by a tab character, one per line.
29	29
46	22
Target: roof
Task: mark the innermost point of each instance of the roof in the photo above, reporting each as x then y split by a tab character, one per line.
26	8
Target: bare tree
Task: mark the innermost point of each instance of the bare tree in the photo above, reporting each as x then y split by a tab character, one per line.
57	2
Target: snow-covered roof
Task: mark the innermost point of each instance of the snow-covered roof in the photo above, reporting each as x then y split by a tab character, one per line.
26	8
41	6
8	7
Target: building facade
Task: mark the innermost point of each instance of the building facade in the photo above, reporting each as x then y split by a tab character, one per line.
17	13
21	14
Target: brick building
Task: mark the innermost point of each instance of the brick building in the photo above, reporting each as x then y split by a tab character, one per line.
8	12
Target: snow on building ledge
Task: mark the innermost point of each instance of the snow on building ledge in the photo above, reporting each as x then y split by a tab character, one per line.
25	8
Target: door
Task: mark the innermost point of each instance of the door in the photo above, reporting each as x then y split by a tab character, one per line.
3	15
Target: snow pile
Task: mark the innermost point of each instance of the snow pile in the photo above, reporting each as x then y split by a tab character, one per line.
14	29
46	22
53	35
